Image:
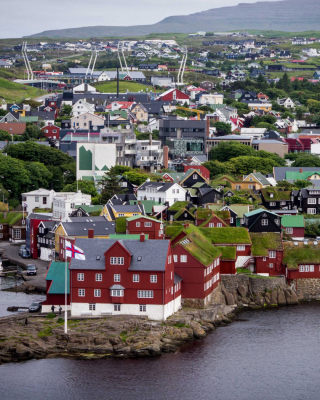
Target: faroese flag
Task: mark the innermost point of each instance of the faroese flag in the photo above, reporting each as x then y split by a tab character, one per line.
74	252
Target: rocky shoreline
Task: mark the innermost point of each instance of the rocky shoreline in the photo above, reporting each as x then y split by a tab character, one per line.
127	336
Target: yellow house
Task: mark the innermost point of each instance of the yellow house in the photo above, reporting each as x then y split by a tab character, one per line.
140	112
257	106
253	181
90	228
112	212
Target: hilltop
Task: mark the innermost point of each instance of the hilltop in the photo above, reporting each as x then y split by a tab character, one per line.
286	15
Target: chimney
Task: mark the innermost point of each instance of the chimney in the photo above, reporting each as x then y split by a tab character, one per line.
142	237
186	226
301	170
139	202
90	233
165	156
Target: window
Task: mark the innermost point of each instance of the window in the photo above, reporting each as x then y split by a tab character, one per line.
264	258
138	224
1	227
80	277
238	187
311	211
44	200
98	277
17	233
116	260
116	277
271	265
142	308
36	199
81	292
306	268
231	220
169	259
92	307
117	293
120	215
289	230
136	278
272	203
145	294
312	201
183	258
241	248
277	221
153	278
148	224
311	268
250	186
272	254
97	293
117	307
211	225
219	225
195	176
175	258
301	268
124	184
1	235
264	222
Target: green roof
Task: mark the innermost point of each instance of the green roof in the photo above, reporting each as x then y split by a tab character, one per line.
148	204
228	252
56	274
293	256
277	194
88	178
11	218
198	185
127	237
203	213
193	192
262	242
239	209
181	211
261	178
90	208
259	211
142	216
227	235
29	119
173	231
304	175
121	224
292	221
222	214
200	248
177	205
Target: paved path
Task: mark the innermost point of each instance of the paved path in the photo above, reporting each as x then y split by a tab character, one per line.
11	251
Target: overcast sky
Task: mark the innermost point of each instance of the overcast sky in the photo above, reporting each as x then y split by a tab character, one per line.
26	17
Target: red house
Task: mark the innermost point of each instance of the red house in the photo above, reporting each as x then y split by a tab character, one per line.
141	224
267	251
293	225
218	219
133	277
203	170
174	95
197	261
32	231
51	131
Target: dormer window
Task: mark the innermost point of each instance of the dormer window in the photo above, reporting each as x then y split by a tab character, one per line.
271	195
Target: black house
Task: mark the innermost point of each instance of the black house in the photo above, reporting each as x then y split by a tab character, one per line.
262	221
307	200
208	195
276	199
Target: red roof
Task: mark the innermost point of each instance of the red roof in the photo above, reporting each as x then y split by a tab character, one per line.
196	90
298	61
295	78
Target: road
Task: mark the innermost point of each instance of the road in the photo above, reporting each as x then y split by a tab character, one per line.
11	251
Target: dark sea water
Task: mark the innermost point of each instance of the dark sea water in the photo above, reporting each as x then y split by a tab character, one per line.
273	354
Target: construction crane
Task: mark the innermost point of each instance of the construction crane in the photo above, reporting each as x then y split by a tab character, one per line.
192	110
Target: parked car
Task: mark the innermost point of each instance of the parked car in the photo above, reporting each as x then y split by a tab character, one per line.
31	269
25	254
22	247
36	306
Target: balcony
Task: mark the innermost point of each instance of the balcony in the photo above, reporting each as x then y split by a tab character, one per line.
130	152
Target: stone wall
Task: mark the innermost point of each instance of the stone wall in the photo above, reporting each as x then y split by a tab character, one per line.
216	298
308	289
254	285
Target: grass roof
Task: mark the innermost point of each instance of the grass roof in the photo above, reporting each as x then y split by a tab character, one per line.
121	223
181	211
200	248
293	256
178	205
172	231
228	252
277	194
203	213
227	235
224	214
11	218
262	242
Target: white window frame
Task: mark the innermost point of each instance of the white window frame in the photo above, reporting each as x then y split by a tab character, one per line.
148	224
153	278
289	231
264	222
312	200
311	211
135	278
311	268
241	248
272	254
183	258
80	277
211	224
117	307
97	292
137	224
98	277
81	292
142	307
92	307
270	265
301	268
145	294
116	277
175	258
116	292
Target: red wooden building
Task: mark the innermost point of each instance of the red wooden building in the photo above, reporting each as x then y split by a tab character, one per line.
141	224
133	277
203	170
51	131
267	251
174	95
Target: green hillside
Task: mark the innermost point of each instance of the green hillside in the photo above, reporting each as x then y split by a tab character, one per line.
15	92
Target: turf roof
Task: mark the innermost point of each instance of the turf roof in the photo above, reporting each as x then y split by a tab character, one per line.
262	242
11	218
228	252
227	235
294	256
277	194
200	248
178	205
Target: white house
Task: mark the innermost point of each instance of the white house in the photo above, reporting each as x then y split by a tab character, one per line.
84	87
161	192
41	198
64	204
215	98
287	102
81	107
85	120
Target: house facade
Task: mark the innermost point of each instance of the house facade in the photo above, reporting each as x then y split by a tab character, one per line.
161	191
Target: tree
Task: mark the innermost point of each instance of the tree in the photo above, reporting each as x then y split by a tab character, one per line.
4	135
66	110
13	175
226	151
245	165
121	169
136	178
269	127
275	157
301	184
306	160
110	185
285	185
222	128
314	106
216	168
86	187
237	200
39	175
32	131
3	112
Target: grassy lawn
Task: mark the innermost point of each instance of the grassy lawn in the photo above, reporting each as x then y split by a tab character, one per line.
111	87
15	92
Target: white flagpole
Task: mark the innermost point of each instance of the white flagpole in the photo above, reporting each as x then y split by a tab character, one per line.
65	292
